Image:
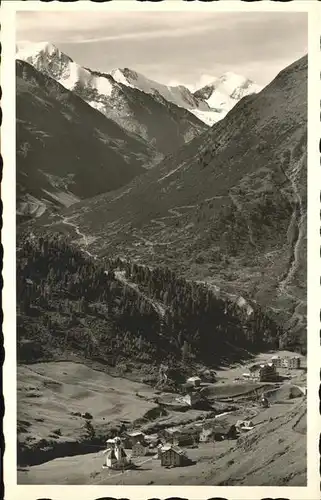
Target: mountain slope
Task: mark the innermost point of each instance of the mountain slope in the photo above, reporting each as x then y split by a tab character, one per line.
161	123
66	150
228	208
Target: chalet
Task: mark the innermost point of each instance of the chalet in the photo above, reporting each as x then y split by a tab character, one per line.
222	431
181	437
171	433
207	435
172	456
194	381
152	440
138	450
186	439
244	425
268	373
277	361
134	437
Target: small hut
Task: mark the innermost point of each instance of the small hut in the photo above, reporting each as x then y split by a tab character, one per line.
172	456
193	381
244	425
268	373
223	430
207	435
134	437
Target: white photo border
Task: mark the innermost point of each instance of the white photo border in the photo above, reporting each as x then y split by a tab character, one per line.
14	491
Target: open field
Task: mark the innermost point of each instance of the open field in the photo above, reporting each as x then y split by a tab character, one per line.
223	462
54	398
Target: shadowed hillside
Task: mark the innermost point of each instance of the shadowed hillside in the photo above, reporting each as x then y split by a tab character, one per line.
66	150
229	208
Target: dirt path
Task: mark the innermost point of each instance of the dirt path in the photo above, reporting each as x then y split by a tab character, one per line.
159	308
84	237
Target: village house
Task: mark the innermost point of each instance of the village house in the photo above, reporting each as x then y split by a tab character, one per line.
223	430
244	425
186	439
277	361
292	363
193	381
152	440
172	456
138	450
133	438
268	373
179	437
207	435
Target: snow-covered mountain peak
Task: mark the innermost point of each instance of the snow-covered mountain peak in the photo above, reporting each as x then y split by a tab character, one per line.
48	59
210	103
41	50
179	95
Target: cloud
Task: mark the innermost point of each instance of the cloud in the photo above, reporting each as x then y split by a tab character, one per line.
186	47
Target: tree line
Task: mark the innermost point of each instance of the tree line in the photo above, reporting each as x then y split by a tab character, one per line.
68	300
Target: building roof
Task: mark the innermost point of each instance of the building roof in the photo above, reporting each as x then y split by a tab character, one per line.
244	423
173	430
207	431
174	448
193	379
135	433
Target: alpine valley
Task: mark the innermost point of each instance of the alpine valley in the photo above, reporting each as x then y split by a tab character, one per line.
162	233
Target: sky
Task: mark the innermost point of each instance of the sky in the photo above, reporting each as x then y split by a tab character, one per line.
189	48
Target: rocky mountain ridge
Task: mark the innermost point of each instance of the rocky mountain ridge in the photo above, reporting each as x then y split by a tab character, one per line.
108	92
57	134
229	208
158	121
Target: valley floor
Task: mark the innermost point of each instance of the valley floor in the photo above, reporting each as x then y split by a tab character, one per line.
53	397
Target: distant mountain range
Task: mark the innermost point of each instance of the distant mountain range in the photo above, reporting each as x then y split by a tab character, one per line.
110	92
228	208
66	150
158	121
